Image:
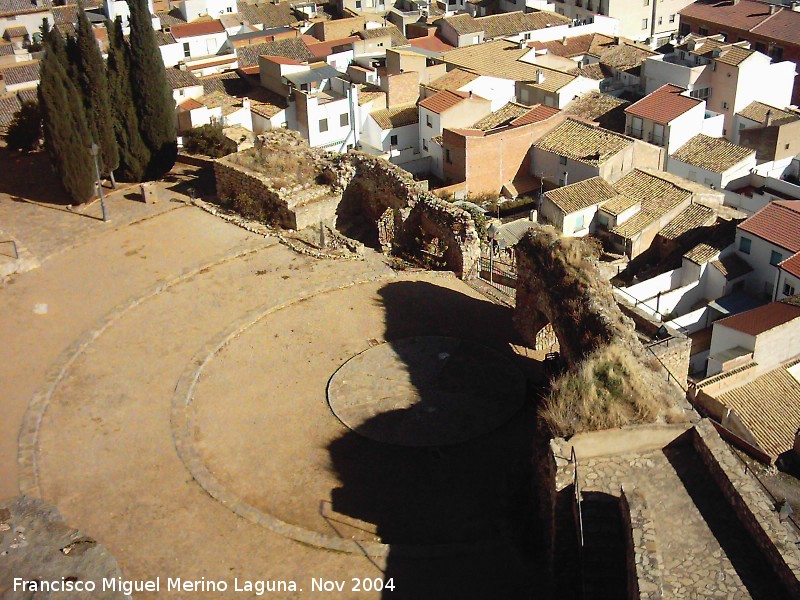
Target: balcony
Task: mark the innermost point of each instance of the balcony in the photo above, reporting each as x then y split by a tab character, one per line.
634	133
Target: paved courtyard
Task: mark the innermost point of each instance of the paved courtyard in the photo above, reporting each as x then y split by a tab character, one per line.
104	340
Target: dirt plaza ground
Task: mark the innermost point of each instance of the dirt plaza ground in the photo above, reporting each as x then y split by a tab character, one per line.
164	382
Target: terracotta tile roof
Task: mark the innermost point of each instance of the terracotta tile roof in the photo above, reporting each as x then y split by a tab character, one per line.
618	204
293	48
6	48
463	24
732	266
582	142
323	49
539	112
431	43
578	45
657	195
594	71
229	83
784	25
577	196
9	105
184	30
603	108
758	320
701	253
164	38
398	39
513	23
281	60
453	80
695	215
663	105
396	117
266	13
792	265
757	111
18	31
441	101
502	116
712	154
778	222
625	57
178	78
368	92
16	7
500	58
19	73
169	18
190	104
715	46
769	407
745	14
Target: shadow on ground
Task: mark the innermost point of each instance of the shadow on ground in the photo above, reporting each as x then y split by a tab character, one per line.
476	493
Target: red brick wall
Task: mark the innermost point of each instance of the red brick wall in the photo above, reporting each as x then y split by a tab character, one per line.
486	162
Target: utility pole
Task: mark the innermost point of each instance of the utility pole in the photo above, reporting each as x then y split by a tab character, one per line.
95	149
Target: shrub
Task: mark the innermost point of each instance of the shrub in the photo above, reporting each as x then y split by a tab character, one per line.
249	208
209	141
480	219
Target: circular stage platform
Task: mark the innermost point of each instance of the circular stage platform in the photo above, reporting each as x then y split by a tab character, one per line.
426	391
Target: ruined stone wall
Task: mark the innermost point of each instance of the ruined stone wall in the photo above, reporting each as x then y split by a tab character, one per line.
234	180
674	353
452	225
559	283
752	507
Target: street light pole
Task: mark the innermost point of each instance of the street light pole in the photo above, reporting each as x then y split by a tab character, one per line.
492	231
95	149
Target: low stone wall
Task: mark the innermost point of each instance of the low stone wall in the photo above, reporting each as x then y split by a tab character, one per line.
674	353
234	180
644	561
751	505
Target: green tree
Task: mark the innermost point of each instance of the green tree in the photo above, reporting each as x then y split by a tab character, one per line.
153	99
94	88
208	140
134	156
66	132
25	131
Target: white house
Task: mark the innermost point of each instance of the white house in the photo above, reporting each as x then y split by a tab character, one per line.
765	241
192	10
393	133
714	162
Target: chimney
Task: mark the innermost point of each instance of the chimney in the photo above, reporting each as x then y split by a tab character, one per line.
470	93
617	40
768	119
564	40
539	77
773	9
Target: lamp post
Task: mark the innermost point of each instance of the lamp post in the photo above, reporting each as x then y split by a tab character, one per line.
95	149
492	231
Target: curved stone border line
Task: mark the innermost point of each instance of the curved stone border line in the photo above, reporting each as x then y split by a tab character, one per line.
28	477
183	425
261	229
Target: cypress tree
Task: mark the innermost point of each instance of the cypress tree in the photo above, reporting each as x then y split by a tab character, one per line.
154	103
95	94
66	132
134	156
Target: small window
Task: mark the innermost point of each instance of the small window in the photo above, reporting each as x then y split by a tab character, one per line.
702	31
447	156
323	125
344	120
580	222
744	245
563	160
660	20
424	144
672	18
786	147
724	105
393	140
644	23
788	290
646	3
229	9
775	258
358	3
428	121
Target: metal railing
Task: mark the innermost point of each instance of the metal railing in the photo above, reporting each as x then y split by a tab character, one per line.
14	244
576	485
